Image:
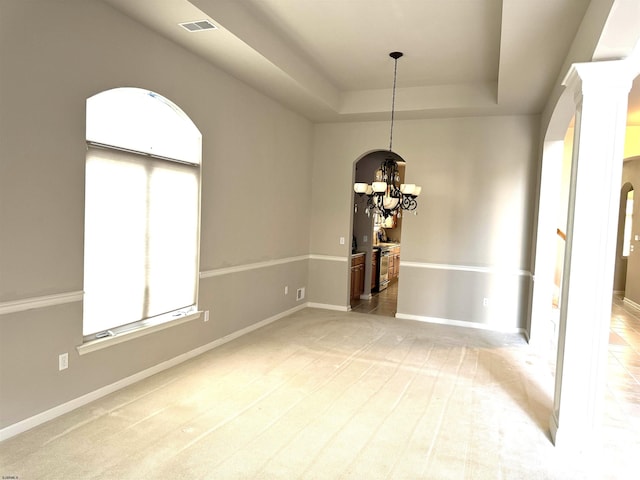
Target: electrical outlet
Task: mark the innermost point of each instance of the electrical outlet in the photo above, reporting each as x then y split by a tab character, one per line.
300	294
365	238
341	240
286	289
206	315
63	361
485	302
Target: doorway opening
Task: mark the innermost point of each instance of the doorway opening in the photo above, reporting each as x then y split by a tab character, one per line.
376	246
624	245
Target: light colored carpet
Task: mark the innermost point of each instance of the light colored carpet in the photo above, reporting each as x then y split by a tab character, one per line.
322	395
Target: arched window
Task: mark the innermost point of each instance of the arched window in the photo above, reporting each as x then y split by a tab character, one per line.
142	211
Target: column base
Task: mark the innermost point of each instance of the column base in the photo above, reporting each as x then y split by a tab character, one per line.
577	441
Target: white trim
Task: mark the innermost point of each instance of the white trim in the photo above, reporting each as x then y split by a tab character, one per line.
553	428
67	407
32	303
106	146
100	343
71	297
466	268
251	266
327	306
460	323
366	296
631	303
40	302
269	263
330	258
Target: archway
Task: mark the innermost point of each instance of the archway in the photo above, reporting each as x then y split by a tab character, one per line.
376	244
598	93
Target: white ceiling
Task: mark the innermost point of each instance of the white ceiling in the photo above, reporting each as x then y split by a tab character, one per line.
328	59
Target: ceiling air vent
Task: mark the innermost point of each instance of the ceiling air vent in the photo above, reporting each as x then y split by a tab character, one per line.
198	26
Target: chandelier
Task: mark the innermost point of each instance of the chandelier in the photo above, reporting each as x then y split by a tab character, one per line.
386	196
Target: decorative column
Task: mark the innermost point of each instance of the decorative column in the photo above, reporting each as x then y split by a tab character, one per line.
601	92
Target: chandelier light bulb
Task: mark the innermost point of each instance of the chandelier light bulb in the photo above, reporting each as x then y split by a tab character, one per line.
379	187
390	203
360	187
407	188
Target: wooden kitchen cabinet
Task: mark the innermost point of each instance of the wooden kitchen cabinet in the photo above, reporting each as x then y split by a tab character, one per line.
357	275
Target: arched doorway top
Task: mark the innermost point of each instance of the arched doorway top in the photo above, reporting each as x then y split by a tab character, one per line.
380	154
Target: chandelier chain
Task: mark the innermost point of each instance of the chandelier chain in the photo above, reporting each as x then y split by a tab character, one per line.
393	102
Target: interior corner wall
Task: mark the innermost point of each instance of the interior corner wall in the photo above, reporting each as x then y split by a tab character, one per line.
471	239
53	56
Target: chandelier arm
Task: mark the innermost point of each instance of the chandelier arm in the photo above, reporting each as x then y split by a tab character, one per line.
370	202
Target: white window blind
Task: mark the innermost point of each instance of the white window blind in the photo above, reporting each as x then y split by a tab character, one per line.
141	238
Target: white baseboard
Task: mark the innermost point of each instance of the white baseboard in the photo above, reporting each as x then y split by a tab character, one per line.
67	407
461	323
631	303
327	306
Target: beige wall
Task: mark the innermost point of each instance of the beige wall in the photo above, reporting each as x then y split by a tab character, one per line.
53	56
475	212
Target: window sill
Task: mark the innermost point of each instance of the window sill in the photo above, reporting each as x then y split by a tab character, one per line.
99	344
